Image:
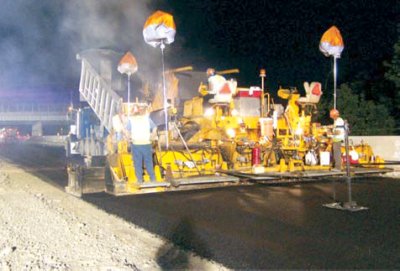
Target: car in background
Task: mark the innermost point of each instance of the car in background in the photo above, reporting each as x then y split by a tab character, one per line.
11	135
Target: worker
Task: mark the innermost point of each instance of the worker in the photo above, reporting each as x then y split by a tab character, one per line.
72	147
118	124
337	138
142	128
215	81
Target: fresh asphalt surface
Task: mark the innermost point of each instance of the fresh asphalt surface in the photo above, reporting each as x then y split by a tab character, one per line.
256	227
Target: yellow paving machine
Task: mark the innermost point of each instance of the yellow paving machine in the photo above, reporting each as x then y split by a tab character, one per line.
220	135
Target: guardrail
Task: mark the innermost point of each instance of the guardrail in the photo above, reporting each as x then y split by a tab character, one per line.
56	141
32	112
32	116
11	107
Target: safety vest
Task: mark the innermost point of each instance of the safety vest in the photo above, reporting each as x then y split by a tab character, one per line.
140	127
338	130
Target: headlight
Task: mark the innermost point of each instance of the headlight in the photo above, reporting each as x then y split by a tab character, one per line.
230	132
209	112
299	131
235	112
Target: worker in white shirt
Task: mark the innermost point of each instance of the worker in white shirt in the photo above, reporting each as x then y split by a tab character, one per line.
337	138
141	128
118	124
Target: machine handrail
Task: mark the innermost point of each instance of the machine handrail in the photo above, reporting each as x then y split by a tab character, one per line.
98	94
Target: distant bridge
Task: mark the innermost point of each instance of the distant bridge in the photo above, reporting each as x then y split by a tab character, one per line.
35	114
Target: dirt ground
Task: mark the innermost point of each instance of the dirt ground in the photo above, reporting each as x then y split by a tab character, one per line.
43	228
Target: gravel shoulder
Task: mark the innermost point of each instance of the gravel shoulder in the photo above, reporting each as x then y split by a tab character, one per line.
43	228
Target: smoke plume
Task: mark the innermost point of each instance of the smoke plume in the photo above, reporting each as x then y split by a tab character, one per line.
40	39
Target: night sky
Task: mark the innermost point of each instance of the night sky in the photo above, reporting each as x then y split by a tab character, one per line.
39	39
283	36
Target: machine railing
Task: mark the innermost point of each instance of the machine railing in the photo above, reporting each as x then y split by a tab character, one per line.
99	95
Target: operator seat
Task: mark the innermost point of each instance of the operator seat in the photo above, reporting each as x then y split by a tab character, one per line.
313	93
225	92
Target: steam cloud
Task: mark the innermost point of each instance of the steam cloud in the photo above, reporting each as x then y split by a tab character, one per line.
41	38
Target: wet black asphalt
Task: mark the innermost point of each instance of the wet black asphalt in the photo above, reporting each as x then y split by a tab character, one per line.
256	227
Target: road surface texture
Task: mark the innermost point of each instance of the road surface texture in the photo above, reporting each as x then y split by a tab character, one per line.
43	228
252	227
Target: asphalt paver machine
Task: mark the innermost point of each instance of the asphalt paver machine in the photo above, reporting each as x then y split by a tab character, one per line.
214	138
95	162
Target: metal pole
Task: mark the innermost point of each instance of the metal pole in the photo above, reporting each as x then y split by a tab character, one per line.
350	205
346	142
334	190
186	147
129	95
262	75
334	81
162	46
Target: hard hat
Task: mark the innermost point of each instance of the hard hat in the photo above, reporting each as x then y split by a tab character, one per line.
284	93
334	113
210	71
